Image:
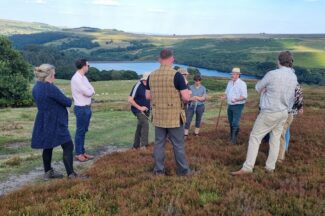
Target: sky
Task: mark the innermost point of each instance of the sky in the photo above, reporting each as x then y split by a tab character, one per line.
181	17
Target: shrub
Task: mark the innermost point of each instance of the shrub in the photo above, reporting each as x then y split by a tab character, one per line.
15	75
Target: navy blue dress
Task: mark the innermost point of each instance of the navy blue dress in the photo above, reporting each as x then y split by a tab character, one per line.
51	123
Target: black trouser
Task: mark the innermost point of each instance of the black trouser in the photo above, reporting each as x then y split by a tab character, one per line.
67	157
142	131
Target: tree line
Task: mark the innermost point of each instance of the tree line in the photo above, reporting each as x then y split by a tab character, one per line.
16	70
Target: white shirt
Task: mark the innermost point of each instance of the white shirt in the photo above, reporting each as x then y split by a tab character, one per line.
81	89
236	89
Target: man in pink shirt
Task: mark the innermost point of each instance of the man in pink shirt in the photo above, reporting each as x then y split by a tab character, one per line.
82	91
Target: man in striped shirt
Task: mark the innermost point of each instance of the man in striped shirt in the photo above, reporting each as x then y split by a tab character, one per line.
277	89
140	107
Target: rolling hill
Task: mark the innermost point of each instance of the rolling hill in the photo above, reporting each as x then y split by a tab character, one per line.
254	53
11	27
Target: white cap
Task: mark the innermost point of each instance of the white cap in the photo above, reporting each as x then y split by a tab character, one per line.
145	76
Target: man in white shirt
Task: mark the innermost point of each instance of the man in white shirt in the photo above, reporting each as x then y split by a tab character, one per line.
82	91
236	94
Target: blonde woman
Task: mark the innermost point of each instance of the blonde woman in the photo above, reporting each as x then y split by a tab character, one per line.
51	123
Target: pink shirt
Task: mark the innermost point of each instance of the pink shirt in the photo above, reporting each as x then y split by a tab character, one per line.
81	89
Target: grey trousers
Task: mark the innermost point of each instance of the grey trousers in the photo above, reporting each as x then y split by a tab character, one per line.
142	131
176	136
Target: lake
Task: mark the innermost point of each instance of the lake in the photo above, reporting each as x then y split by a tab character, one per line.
141	67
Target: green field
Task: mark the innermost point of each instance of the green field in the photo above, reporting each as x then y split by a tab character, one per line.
112	124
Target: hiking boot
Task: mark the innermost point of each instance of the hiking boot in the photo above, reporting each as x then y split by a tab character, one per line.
135	148
188	173
52	174
230	134
72	176
159	173
143	148
234	134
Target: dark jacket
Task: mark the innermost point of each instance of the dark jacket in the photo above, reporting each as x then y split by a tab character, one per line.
51	123
138	93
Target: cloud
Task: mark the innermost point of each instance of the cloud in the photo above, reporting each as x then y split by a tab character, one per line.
70	13
40	1
36	1
156	10
106	2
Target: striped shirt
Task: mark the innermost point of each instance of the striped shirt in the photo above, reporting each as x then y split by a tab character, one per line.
138	93
277	89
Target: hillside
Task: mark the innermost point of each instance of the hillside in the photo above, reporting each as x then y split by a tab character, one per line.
11	27
254	53
122	183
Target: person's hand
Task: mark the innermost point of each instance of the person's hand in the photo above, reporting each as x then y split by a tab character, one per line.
301	111
194	98
143	108
234	100
222	97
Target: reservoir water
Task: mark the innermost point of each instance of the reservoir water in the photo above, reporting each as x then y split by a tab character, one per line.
141	67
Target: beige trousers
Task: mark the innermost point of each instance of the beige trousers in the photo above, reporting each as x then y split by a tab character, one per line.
287	124
265	123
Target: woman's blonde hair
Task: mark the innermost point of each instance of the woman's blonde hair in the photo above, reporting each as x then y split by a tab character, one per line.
43	71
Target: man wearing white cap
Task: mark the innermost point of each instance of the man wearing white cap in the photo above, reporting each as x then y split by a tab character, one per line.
140	107
236	94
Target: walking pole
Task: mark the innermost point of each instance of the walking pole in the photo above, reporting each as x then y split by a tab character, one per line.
219	114
195	106
148	117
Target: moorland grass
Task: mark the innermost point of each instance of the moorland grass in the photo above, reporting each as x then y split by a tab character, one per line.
123	183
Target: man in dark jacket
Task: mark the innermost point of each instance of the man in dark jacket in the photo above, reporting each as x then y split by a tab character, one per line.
140	107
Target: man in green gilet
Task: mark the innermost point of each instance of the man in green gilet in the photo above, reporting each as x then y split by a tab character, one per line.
167	90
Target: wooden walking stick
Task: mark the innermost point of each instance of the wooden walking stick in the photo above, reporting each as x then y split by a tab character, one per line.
219	114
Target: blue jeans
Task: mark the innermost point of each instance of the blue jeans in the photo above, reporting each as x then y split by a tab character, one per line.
198	111
83	115
234	114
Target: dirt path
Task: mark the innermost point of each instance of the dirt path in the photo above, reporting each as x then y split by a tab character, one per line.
14	182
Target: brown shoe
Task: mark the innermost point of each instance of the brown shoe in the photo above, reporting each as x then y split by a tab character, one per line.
280	161
241	172
88	156
81	158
